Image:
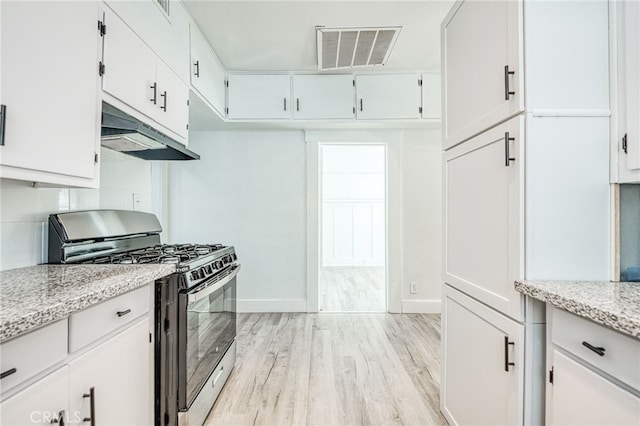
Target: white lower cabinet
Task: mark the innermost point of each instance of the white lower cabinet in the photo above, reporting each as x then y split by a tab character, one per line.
594	373
483	371
580	396
117	386
41	403
100	372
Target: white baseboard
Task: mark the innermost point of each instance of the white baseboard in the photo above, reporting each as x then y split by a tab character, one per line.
421	306
272	305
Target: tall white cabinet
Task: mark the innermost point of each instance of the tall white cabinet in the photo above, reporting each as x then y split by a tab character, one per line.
526	190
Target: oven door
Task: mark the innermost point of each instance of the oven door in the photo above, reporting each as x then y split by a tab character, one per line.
206	329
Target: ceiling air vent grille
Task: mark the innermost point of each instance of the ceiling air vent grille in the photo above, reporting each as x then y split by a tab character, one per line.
354	47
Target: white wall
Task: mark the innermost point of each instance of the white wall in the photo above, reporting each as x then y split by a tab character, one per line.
422	221
24	209
249	190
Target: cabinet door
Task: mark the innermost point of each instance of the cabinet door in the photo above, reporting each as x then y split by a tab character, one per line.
431	99
173	101
259	96
207	75
388	96
50	84
119	371
130	67
480	386
480	39
483	217
580	396
629	93
323	96
40	403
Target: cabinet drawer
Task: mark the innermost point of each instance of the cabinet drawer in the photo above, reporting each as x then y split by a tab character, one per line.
32	353
95	322
620	356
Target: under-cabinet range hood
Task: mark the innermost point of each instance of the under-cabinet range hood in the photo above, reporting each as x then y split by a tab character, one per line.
124	133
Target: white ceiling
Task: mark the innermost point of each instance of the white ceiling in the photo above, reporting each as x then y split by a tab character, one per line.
280	35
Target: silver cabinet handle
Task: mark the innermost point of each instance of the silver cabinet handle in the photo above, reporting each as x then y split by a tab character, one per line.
197	72
164	103
507	154
123	313
155	93
3	121
92	406
285	103
507	364
507	90
360	104
8	373
297	104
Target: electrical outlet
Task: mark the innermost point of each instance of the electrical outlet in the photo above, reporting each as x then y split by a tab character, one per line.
413	287
136	200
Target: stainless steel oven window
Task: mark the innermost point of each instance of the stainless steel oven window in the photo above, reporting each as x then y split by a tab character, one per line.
210	330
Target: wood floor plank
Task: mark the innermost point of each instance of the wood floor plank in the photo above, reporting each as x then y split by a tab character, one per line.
351	289
333	369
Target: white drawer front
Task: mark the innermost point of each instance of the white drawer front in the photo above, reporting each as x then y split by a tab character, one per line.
620	355
32	353
91	324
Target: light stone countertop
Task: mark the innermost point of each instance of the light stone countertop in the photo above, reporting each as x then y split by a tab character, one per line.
612	304
38	295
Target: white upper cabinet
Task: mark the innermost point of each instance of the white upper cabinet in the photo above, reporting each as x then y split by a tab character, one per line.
252	96
173	100
135	76
207	74
482	66
130	67
629	91
166	33
323	96
49	87
483	184
431	99
388	96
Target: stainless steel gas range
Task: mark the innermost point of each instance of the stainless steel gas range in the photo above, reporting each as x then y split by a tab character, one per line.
195	308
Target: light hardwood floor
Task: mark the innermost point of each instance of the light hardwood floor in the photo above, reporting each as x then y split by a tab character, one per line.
351	289
333	369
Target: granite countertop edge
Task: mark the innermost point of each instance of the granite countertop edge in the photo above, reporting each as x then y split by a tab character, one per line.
616	319
93	293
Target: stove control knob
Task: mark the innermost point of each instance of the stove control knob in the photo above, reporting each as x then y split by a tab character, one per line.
219	264
194	275
234	257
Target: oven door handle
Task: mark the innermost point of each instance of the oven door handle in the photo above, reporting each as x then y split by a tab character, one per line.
207	290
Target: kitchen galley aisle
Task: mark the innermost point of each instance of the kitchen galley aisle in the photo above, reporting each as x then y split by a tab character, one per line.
320	369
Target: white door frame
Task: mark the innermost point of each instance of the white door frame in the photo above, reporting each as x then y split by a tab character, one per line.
393	210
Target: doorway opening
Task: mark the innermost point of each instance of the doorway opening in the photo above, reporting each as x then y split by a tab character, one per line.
352	273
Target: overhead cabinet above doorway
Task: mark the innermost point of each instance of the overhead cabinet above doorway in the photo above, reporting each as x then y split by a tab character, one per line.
331	97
